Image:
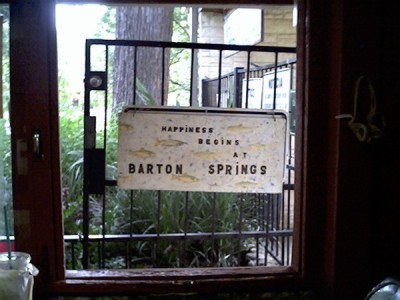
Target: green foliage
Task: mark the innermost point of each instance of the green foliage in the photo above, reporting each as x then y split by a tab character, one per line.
4	11
5	152
5	129
180	25
143	94
152	212
145	212
5	174
107	24
179	85
148	212
71	141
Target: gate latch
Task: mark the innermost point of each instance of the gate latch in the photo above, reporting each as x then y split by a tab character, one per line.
37	150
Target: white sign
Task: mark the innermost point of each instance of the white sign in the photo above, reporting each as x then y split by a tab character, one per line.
254	93
216	150
282	96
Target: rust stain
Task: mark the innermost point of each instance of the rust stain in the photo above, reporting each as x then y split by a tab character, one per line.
185	178
240	129
125	127
142	153
169	143
248	185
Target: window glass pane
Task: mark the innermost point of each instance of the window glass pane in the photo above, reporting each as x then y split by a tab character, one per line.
107	227
6	224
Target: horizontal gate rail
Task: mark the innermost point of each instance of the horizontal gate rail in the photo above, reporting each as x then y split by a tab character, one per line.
194	46
178	236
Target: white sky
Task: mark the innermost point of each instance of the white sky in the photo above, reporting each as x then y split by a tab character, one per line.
75	24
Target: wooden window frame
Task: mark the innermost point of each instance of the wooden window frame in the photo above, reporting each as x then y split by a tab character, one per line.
37	188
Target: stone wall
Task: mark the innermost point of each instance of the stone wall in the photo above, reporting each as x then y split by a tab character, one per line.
278	31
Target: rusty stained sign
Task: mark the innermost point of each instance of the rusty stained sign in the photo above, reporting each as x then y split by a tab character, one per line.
209	150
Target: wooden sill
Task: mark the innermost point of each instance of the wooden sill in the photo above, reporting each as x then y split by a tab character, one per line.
174	281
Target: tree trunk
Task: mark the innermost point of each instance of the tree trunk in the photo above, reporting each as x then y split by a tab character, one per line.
142	23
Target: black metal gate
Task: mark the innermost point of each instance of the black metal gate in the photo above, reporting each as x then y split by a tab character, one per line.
136	229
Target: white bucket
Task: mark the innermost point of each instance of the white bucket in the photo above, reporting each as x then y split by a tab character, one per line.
16	276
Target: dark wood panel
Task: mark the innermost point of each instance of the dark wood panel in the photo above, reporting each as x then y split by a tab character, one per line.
33	107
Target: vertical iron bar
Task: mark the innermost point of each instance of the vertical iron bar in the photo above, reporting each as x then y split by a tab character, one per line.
275	80
219	77
205	100
281	221
154	258
213	227
163	77
106	102
258	211
291	76
289	202
266	246
105	153
272	212
85	232
87	73
248	78
240	227
194	64
229	90
238	83
283	252
130	228
192	71
264	223
288	223
186	227
85	204
134	73
103	228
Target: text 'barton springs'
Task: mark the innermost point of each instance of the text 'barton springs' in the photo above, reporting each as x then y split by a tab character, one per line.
218	169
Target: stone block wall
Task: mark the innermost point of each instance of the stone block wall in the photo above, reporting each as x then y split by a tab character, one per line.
278	31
